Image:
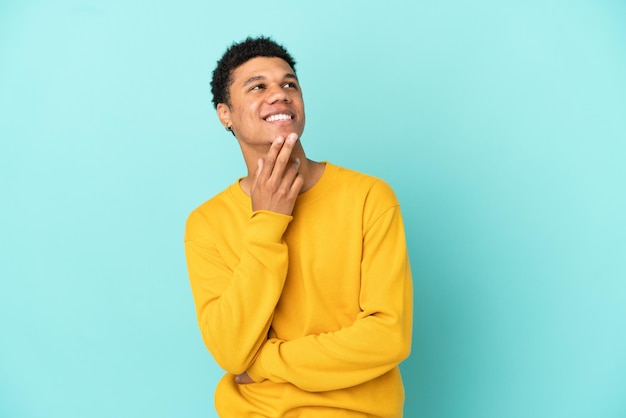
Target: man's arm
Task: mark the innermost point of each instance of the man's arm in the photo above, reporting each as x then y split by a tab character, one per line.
235	306
376	342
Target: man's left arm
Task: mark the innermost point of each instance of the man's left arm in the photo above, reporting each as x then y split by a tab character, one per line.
378	340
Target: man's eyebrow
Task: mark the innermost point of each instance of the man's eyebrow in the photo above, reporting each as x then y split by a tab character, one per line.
260	77
253	79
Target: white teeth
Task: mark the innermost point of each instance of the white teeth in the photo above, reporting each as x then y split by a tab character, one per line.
280	116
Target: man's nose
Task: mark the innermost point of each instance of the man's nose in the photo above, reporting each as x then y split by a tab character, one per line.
277	93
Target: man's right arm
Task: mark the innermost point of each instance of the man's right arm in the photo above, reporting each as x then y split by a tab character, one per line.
235	306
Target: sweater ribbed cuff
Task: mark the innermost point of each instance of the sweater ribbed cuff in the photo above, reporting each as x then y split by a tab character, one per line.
268	226
257	370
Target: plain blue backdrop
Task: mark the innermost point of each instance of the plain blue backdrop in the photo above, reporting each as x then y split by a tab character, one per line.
500	124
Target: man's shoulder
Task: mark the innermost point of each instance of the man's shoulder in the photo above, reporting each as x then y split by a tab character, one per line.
217	199
224	200
357	182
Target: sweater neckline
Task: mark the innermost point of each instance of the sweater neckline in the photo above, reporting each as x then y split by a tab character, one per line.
318	189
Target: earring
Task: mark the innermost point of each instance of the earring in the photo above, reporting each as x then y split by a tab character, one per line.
228	128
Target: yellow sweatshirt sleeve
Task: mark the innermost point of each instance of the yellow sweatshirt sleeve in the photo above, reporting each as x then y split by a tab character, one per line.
378	340
235	306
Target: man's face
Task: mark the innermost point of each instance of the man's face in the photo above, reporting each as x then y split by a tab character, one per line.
265	101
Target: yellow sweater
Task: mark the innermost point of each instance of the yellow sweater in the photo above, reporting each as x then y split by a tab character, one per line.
317	306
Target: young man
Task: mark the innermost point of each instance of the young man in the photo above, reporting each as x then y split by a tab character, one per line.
299	270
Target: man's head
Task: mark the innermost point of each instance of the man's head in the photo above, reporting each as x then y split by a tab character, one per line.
236	55
257	94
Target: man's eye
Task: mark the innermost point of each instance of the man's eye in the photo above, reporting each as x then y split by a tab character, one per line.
290	85
258	87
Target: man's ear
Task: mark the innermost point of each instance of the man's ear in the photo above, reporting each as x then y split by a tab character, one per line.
223	112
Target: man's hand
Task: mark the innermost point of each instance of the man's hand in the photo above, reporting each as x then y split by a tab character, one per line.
243	379
277	182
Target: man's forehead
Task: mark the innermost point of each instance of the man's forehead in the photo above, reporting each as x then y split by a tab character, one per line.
259	68
287	76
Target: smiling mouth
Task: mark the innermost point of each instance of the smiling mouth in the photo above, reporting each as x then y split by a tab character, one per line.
278	117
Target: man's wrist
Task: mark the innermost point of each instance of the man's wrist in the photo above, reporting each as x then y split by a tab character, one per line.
268	226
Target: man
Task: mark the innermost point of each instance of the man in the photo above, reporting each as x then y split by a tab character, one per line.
299	270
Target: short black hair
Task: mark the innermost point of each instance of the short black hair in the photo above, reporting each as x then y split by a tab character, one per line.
239	53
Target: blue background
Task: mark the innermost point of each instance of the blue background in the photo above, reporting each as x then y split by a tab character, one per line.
501	126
